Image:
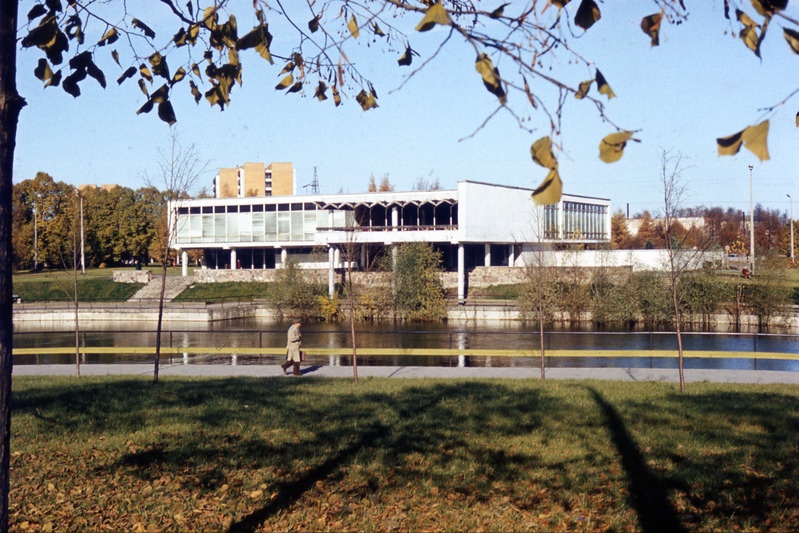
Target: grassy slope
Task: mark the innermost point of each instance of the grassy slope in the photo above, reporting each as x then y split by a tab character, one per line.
497	455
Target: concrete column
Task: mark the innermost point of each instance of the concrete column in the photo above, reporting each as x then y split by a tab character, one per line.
337	257
511	256
184	263
232	259
487	255
331	272
461	275
284	256
394	217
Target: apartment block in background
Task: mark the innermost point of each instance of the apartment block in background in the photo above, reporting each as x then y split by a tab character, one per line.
255	180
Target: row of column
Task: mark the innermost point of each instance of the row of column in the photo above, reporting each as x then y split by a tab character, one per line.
334	258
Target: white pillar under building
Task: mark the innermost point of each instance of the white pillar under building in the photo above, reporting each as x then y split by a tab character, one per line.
232	259
331	272
461	274
184	263
487	255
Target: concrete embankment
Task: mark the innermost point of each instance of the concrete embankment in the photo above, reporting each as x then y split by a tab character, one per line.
147	311
140	311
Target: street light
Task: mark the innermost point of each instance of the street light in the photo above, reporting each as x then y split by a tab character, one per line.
751	226
791	199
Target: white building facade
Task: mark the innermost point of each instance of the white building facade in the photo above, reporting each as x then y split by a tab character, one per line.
477	224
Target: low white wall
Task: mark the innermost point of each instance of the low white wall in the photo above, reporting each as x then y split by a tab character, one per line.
636	259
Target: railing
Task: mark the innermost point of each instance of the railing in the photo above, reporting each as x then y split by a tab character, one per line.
435	227
443	343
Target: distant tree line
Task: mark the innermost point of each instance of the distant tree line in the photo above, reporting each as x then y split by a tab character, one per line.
729	228
120	225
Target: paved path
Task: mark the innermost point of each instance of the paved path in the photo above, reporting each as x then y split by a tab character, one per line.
618	374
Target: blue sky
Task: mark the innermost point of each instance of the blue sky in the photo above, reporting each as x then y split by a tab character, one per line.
699	84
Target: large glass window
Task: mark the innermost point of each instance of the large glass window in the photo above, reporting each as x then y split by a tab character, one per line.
309	226
283	226
245	227
207	231
270	226
232	227
220	225
258	226
297	225
322	219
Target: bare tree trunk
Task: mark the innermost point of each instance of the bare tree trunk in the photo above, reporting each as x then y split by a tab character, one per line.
541	339
678	331
354	347
351	294
10	106
157	360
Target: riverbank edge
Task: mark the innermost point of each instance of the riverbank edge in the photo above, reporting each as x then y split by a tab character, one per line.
44	314
761	377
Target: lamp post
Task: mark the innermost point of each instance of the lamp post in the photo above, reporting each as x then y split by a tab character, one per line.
751	226
35	238
791	199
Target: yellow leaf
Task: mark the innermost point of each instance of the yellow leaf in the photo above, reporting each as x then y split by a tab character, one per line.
491	78
603	86
285	83
256	494
583	89
320	91
797	120
336	95
367	100
145	73
352	25
729	145
792	37
767	8
436	14
550	190
651	26
755	139
612	146
751	39
210	18
179	75
541	150
745	19
109	37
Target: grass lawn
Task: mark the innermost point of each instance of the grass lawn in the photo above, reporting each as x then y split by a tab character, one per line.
281	454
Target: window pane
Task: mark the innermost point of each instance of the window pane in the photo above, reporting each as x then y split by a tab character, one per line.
270	226
283	227
296	225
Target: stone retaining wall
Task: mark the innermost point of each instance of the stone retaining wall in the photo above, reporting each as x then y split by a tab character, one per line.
133	276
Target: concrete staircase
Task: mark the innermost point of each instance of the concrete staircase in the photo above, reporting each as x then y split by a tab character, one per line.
150	292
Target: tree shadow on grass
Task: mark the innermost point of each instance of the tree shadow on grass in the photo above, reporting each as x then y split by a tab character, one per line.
289	492
648	494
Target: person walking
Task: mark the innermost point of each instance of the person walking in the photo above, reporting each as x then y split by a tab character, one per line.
293	354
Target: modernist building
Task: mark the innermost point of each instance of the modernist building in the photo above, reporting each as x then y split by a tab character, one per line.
476	224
